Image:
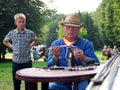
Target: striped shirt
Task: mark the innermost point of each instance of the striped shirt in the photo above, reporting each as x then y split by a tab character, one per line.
21	44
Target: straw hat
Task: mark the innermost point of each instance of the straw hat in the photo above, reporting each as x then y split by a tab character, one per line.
72	20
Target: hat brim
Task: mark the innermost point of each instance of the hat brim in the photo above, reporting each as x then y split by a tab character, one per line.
71	24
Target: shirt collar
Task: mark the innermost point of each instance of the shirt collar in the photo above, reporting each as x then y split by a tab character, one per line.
74	43
20	32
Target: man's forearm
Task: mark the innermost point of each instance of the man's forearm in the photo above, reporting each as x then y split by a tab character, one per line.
34	43
6	43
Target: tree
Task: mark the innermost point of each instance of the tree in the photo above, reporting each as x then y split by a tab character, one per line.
53	27
116	20
89	30
107	19
35	11
52	35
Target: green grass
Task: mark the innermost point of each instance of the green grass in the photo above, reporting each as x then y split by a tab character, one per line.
6	71
98	53
9	55
6	75
101	58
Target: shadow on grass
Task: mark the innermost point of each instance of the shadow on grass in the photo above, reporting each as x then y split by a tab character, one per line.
6	60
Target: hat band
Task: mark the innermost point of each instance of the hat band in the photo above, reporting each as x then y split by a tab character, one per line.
70	23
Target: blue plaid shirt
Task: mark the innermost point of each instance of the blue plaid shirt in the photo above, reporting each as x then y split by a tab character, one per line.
21	44
80	43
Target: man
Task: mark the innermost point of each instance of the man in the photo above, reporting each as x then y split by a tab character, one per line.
22	41
83	51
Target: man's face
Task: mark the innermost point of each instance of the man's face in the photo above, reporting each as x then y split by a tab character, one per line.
20	23
71	31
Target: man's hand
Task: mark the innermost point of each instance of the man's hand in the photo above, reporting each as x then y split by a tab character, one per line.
55	50
80	55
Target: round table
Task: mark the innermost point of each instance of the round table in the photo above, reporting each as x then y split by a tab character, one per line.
43	75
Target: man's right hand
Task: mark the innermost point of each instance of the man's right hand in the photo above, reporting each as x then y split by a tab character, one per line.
55	50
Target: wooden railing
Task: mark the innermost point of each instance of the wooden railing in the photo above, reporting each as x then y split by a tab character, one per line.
109	76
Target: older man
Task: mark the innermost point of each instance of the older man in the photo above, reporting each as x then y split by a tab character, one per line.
83	51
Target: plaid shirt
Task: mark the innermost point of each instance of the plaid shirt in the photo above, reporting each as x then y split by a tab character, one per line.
21	44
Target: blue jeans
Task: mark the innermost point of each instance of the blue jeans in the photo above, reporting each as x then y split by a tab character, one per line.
15	67
67	86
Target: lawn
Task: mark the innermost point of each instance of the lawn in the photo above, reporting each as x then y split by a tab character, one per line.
101	58
98	53
6	75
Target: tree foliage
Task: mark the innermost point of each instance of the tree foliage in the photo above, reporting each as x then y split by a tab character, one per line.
107	19
101	26
35	11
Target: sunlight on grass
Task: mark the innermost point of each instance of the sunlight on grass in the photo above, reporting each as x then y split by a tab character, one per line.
8	55
98	53
101	58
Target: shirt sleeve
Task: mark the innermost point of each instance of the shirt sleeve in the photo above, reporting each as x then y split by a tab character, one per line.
8	36
90	53
34	37
50	61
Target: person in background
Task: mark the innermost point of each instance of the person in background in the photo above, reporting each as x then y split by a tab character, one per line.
109	50
43	53
104	51
35	54
22	40
83	51
115	51
2	52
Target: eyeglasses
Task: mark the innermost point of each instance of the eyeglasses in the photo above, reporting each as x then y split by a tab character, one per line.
71	27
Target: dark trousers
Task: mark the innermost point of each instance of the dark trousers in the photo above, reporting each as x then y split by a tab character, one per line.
109	56
15	67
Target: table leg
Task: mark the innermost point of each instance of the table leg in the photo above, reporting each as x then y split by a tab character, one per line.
44	86
32	86
74	85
